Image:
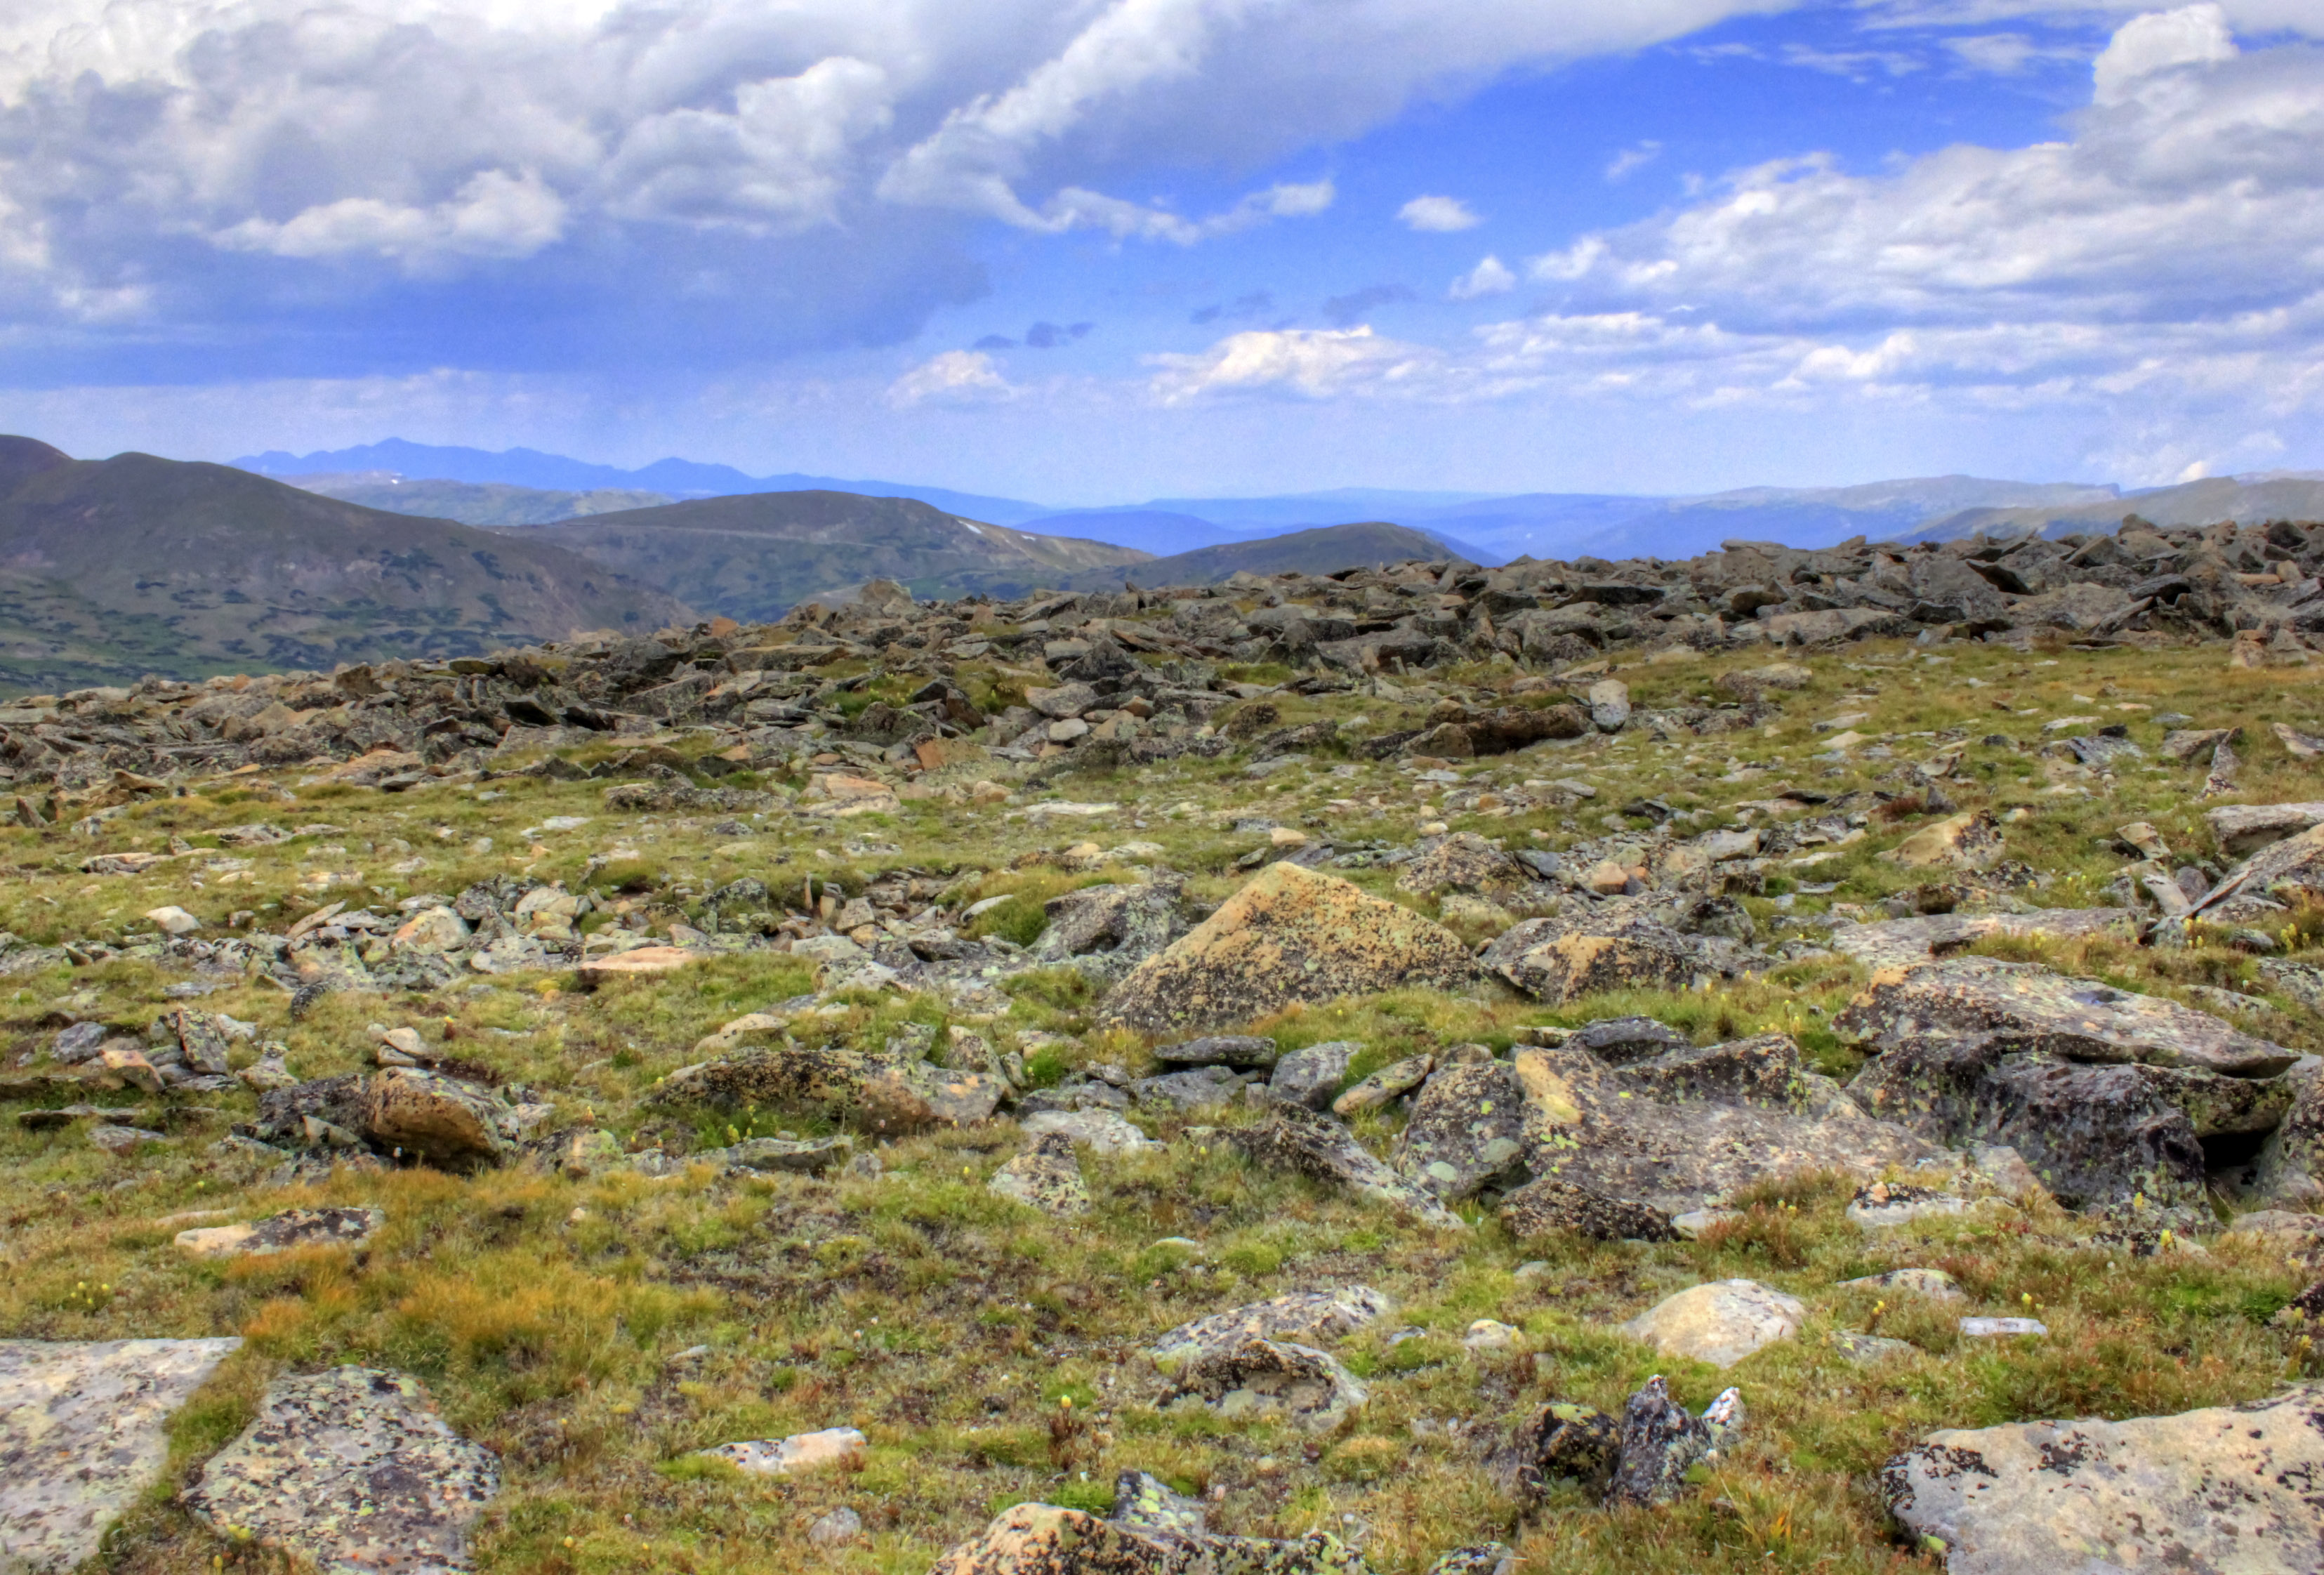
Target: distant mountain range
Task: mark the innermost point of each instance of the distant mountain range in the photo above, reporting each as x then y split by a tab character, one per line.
111	569
1486	527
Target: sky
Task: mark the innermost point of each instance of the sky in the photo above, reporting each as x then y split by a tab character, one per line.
1094	251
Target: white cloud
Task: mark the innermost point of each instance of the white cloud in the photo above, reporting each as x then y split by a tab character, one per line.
954	377
2193	35
1489	277
494	215
1314	363
1630	160
1437	215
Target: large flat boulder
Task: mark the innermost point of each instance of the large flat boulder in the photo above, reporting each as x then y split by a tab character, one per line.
1646	1140
1306	1317
1904	942
83	1435
1289	935
351	1471
1645	943
2240	830
2229	1488
2280	875
2025	1007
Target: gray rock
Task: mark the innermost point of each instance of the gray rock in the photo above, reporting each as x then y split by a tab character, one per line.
1467	1130
1100	1129
1661	1441
2226	1489
83	1435
1385	1086
1547	1205
1272	1379
1308	1317
1106	931
1243	1050
1310	1076
1147	1504
352	1471
1045	1176
1196	1089
808	1156
1619	1041
1609	705
1720	1322
1560	1441
835	1529
292	1231
1319	1148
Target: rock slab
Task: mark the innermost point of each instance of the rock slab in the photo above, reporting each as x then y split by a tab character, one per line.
353	1471
2226	1489
82	1434
1720	1322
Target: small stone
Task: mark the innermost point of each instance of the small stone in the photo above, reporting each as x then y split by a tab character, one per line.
2001	1328
1045	1176
1284	836
1662	1441
837	1529
1310	1076
294	1231
1867	1349
175	920
1883	1205
1934	1284
118	1139
1487	1334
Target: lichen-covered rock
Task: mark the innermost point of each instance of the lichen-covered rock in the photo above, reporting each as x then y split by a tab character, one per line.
83	1435
1100	1129
1045	1176
2229	1488
1625	1041
827	1448
2290	1169
442	1120
880	1092
1558	960
1762	1070
1249	1050
1106	931
1467	1130
352	1471
1385	1086
292	1231
1464	862
1960	842
1484	1559
1560	1441
1720	1322
1548	1205
1317	1146
1905	943
1307	1317
2092	1134
1289	935
1312	1074
1276	1379
2288	873
1041	1539
2025	1007
1593	1126
1146	1503
792	1155
1661	1441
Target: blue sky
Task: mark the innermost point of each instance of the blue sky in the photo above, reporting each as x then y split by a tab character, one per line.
1101	251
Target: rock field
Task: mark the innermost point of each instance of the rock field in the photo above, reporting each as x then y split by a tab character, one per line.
1784	1061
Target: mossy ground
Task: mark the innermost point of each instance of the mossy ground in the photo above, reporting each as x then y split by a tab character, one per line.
953	1326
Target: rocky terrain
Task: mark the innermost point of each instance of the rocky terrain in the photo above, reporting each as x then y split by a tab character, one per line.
1784	1060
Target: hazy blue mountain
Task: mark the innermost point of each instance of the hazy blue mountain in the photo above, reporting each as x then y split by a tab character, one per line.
1154	530
676	478
2245	499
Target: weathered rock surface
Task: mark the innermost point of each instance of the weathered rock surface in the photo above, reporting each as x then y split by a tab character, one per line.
1306	1317
883	1093
1465	862
2226	1488
1661	1441
1041	1539
1467	1130
1311	1075
1560	1441
2022	1007
292	1231
1319	1148
442	1119
1720	1322
1548	1204
1289	935
1645	943
1106	931
1904	942
83	1435
1275	1379
831	1449
1045	1176
353	1471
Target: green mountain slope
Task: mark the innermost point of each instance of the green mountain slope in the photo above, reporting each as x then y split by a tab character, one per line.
111	569
472	502
757	554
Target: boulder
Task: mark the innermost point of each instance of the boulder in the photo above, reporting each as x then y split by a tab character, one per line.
1311	1075
1045	1176
349	1470
294	1231
1289	935
1466	1132
2229	1488
1598	1128
1464	862
2289	1170
83	1433
2284	874
1720	1322
2240	830
1661	1441
1962	842
2025	1007
791	1155
442	1120
1619	1041
1560	1441
1609	705
1197	1087
1317	1146
1248	1050
1548	1205
1307	1317
883	1093
1100	1129
1106	931
1639	943
1905	943
1041	1539
1272	1379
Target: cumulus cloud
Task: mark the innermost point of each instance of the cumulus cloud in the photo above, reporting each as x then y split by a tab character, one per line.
1315	363
1489	277
2192	36
494	214
954	377
1437	215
